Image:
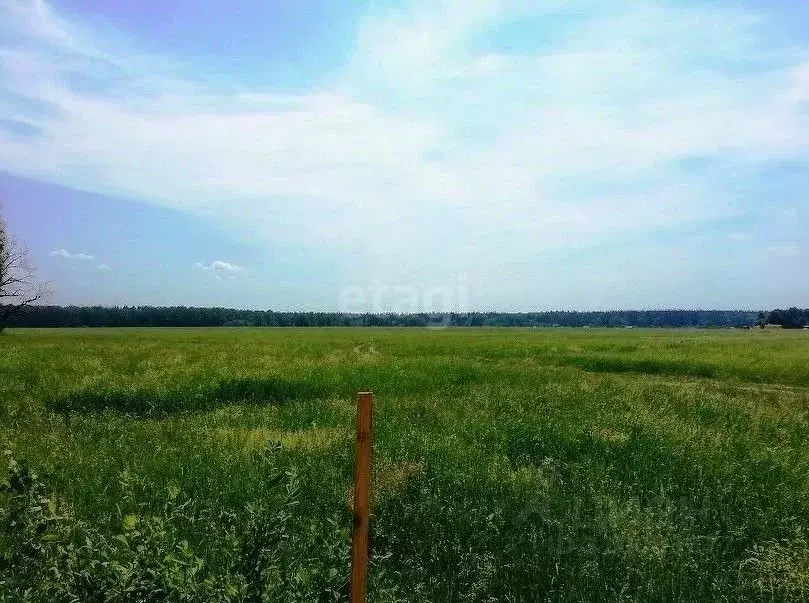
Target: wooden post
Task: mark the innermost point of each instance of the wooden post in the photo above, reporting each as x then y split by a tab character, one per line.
362	480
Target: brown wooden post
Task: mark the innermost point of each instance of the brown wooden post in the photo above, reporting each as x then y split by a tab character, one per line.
362	481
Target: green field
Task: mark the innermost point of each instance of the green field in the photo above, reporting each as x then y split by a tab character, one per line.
509	465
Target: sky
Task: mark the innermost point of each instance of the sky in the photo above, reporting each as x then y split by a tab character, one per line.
362	155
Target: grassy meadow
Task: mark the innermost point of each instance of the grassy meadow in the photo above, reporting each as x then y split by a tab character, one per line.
509	464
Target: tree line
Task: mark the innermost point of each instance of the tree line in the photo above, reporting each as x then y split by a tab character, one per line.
792	318
183	316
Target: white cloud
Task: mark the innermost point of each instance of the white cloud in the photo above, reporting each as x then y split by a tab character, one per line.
64	253
220	269
424	147
82	257
784	251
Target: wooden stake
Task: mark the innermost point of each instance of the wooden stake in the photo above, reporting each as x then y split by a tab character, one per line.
362	481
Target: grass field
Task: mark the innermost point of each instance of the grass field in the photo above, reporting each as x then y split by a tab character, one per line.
510	465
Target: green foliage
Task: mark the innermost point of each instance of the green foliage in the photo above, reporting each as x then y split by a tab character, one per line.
793	318
183	316
51	555
509	465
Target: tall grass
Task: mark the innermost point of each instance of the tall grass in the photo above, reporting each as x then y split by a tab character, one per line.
509	465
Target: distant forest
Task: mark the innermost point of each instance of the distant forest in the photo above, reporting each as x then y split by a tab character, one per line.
182	316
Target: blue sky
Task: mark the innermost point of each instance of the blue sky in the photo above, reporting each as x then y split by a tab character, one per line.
520	155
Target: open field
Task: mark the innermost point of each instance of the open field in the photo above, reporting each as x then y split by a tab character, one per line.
510	465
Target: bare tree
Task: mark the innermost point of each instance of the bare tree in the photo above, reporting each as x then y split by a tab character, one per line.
18	284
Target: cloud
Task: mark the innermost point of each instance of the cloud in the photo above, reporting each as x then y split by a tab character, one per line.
220	269
429	143
64	253
83	257
784	251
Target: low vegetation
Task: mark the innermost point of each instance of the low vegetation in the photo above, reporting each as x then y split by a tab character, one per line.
509	464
